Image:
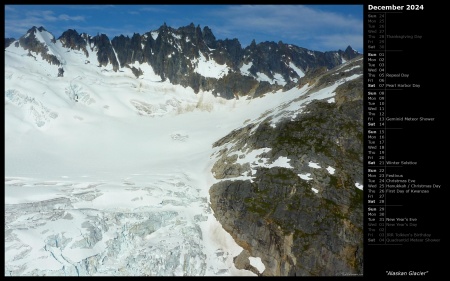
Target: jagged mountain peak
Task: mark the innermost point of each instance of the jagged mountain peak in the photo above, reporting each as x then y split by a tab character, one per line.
192	56
34	29
349	48
350	52
39	42
41	34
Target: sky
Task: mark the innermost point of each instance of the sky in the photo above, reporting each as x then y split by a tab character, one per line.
315	27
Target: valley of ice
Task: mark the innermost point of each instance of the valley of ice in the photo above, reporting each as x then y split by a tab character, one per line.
116	183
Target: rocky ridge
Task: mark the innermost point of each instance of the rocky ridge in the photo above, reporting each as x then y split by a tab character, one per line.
182	55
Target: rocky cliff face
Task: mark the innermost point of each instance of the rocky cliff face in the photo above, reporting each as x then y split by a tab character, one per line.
303	217
192	57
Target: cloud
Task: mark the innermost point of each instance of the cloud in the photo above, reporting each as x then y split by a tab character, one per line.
157	9
9	8
90	7
285	16
49	15
19	21
290	23
69	18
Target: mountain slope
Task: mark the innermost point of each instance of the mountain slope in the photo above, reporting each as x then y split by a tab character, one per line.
289	189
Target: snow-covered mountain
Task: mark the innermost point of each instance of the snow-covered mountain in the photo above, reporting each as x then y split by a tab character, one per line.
187	56
112	147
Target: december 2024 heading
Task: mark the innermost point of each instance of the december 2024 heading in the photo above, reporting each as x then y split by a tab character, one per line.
395	8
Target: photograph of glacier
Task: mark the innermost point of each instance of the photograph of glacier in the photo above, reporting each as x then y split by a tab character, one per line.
179	152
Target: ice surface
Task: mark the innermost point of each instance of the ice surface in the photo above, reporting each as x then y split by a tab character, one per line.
330	170
313	165
209	68
296	69
306	176
358	185
257	263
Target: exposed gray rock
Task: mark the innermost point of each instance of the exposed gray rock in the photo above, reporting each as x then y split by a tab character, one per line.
242	261
299	227
74	41
105	51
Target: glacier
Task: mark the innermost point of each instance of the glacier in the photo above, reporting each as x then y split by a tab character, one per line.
108	175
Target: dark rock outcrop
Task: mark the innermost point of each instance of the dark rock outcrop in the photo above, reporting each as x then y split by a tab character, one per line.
349	53
105	51
209	38
128	49
72	40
